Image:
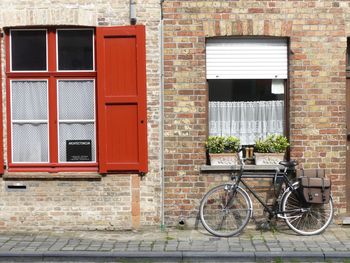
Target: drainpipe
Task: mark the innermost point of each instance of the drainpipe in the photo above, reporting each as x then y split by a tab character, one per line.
133	12
161	117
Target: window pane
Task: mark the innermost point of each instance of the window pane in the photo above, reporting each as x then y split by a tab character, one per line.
77	120
76	131
75	49
30	143
76	99
29	121
241	90
29	100
248	109
28	50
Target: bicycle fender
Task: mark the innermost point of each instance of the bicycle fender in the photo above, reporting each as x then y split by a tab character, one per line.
294	185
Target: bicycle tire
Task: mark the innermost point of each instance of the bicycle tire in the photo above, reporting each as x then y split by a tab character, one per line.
314	220
223	221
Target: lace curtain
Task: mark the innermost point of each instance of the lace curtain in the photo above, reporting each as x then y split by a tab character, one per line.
29	121
76	114
29	116
248	120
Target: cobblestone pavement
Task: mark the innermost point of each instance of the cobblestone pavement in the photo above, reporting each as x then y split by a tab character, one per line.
175	245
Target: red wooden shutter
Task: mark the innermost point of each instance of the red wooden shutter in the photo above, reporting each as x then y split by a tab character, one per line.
121	89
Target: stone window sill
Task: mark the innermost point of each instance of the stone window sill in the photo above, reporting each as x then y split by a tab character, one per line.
253	171
51	176
212	168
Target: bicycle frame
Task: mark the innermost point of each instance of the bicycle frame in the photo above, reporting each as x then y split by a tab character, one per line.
272	211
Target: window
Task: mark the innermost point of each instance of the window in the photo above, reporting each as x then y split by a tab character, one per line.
58	118
246	79
30	117
248	109
75	49
52	113
76	118
28	50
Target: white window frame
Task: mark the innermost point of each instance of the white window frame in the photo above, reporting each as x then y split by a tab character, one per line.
93	49
31	121
76	121
47	52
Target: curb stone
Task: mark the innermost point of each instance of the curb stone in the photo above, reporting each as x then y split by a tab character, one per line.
337	255
178	256
319	256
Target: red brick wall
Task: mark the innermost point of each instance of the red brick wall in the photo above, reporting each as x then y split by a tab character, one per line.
317	34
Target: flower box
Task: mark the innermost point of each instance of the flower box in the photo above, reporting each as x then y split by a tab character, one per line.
268	158
224	159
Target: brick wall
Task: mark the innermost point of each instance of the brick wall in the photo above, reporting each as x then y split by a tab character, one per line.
115	201
64	204
317	31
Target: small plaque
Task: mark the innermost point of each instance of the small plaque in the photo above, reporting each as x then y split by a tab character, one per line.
78	150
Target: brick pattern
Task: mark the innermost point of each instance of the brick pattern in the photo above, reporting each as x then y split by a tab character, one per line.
317	31
70	205
135	201
88	204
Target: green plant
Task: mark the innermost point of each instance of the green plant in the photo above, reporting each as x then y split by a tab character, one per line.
272	144
261	146
278	260
220	144
279	143
231	144
215	144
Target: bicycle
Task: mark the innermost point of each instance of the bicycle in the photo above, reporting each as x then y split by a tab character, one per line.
226	209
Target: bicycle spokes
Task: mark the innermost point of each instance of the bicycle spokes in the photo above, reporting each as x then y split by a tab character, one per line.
224	211
305	218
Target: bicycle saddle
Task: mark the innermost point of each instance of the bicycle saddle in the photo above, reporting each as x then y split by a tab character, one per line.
289	164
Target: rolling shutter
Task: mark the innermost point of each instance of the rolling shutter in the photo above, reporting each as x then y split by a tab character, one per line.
121	89
243	58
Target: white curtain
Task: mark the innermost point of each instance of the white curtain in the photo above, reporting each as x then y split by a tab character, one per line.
76	106
247	120
29	116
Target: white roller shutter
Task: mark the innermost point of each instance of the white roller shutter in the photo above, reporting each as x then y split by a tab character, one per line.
243	58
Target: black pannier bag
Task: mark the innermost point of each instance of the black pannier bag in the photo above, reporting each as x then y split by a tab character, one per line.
313	186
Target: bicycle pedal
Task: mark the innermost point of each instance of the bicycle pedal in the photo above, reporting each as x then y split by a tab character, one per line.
264	226
271	206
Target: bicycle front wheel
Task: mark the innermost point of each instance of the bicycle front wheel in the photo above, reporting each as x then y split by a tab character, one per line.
225	210
304	218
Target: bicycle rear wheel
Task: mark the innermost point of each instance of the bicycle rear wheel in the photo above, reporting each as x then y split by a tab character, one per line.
303	218
224	212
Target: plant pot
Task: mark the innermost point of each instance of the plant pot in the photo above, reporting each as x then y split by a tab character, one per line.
224	158
268	158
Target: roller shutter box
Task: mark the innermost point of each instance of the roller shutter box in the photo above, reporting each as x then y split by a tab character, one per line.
243	58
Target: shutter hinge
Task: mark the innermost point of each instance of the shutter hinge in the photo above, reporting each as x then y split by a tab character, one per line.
142	174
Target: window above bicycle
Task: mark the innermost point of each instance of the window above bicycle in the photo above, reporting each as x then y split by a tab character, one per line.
247	87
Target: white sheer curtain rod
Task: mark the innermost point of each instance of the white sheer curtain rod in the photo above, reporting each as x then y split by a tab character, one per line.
76	121
29	121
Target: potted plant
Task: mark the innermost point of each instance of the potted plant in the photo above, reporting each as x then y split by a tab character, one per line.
223	150
270	150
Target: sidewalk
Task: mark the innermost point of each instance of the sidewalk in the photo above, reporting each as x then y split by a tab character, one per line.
174	245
